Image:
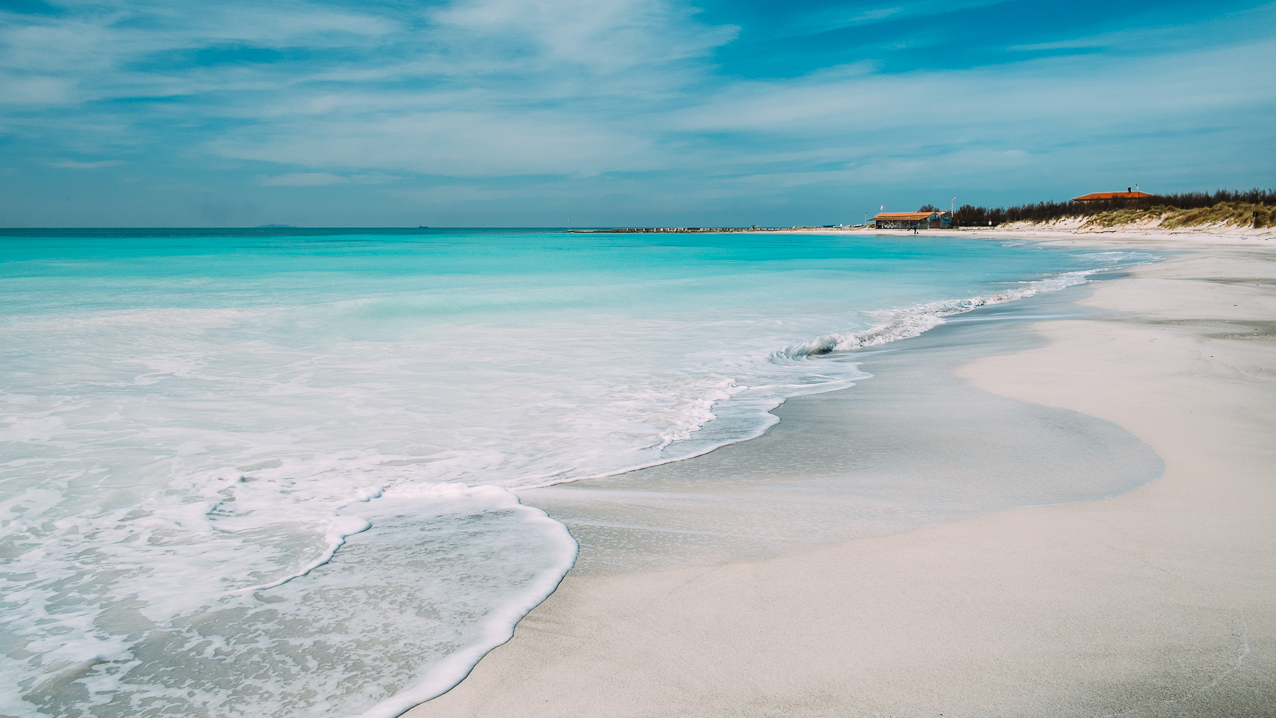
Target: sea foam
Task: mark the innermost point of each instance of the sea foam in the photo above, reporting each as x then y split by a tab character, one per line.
908	322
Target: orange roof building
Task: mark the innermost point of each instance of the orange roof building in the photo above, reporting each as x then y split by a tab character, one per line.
913	220
1129	193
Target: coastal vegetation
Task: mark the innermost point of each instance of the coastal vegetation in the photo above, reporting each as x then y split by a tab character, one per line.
1252	208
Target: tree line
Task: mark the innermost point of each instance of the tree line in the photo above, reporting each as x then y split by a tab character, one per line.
972	216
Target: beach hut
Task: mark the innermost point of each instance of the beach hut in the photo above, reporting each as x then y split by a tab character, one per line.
913	220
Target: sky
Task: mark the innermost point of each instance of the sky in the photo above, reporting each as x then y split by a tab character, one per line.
525	113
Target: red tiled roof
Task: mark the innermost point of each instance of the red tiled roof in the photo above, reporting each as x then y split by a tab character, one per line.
1111	195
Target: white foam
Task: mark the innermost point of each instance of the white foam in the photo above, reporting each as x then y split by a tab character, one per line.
914	321
354	616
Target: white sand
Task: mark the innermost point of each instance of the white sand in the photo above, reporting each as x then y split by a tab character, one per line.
1158	602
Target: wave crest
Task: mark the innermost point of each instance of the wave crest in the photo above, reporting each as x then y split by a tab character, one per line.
914	321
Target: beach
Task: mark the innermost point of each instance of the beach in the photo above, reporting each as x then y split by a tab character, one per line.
1154	602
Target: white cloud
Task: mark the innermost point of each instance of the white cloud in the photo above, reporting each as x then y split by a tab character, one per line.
892	127
108	50
304	179
72	165
614	95
1081	93
824	19
461	144
603	36
34	90
318	179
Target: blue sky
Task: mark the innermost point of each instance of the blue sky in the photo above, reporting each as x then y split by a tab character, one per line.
617	112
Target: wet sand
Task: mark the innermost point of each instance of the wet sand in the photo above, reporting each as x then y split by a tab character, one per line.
1157	601
912	445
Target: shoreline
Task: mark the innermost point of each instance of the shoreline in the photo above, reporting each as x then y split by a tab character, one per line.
1058	230
1154	602
849	464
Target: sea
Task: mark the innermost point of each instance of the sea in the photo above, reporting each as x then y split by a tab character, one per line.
275	472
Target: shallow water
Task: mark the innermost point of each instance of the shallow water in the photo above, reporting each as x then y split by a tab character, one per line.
913	445
255	474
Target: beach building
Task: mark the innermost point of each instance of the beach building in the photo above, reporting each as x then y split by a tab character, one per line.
1129	193
913	220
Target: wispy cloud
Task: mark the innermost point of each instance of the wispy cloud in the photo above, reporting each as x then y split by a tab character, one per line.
35	89
629	102
319	179
600	37
838	16
72	165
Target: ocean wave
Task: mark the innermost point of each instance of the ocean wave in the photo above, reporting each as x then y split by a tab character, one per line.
909	322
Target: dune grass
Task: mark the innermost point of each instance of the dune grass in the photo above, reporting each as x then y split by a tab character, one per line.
1187	209
1234	214
1224	214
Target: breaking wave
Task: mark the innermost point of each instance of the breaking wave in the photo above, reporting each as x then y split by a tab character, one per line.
914	321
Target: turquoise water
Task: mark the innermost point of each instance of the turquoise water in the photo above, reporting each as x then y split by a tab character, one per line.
260	473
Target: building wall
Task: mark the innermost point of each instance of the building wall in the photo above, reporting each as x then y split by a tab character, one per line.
938	222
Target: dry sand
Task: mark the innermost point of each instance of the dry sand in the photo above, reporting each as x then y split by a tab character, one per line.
1158	602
